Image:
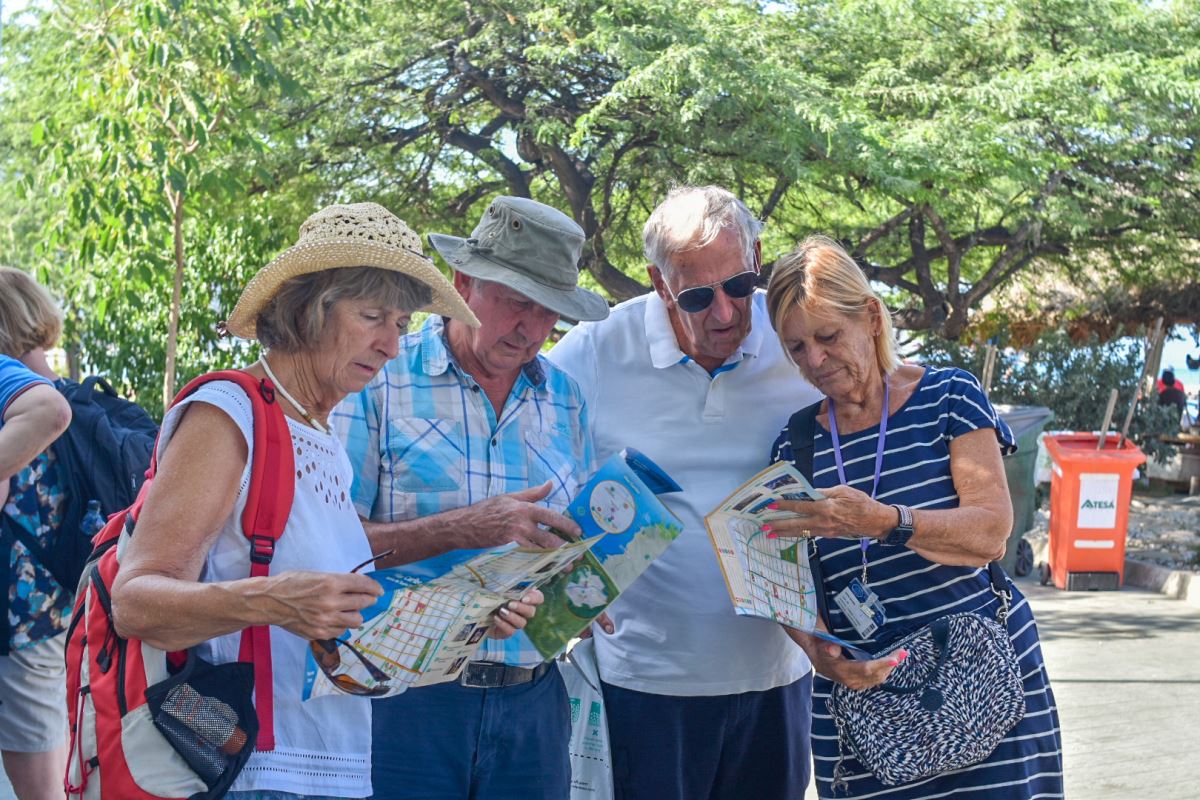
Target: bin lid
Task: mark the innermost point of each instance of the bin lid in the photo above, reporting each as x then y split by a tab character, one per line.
1024	419
1080	448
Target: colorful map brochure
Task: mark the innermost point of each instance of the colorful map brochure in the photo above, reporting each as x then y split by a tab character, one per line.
434	613
766	577
618	508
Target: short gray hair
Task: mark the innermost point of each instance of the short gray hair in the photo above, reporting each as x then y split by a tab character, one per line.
691	217
294	319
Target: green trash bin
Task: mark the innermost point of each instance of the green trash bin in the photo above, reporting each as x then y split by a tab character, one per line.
1019	468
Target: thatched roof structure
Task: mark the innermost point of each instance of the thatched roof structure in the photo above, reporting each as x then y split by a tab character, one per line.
1084	308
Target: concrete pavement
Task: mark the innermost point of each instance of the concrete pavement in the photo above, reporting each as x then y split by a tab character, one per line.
1125	667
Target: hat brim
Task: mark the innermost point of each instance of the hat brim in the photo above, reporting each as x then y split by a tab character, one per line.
303	259
576	303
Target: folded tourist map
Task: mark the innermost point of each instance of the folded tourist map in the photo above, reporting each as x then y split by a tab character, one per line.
768	578
434	613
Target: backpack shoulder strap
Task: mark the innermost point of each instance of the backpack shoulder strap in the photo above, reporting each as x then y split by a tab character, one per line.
801	428
268	505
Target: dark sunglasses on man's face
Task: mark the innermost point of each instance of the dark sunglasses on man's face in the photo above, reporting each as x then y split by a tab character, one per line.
697	298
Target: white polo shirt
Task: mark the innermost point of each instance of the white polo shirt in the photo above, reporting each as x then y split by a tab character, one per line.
676	630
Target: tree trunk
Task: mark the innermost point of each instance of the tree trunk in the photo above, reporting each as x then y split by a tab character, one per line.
176	292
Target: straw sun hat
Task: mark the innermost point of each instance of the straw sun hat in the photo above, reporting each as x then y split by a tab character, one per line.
356	235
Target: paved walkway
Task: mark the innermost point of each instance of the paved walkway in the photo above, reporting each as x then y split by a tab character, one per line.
1125	667
1126	673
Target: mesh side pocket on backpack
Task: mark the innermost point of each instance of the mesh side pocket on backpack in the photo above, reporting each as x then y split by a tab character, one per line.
207	714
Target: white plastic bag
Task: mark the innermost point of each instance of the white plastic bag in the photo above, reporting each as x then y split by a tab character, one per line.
591	767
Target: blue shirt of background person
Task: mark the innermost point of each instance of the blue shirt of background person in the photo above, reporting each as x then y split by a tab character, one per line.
38	607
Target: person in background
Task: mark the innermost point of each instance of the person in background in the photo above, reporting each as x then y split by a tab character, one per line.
1172	392
1161	383
916	505
329	312
472	439
35	609
701	703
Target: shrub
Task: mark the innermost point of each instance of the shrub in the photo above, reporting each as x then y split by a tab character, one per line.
1072	379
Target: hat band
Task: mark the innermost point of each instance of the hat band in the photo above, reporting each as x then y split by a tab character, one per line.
489	254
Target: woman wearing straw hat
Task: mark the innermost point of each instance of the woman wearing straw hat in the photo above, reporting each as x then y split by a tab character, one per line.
329	313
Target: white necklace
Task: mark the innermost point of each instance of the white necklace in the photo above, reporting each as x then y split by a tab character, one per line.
309	418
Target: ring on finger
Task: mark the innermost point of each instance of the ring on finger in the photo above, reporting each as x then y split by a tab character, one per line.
806	532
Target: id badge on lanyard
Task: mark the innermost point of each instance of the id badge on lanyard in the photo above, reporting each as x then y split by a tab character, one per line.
858	603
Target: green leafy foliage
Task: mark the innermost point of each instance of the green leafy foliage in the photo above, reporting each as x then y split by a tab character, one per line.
952	145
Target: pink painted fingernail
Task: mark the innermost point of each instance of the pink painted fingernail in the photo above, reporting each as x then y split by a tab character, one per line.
893	662
773	506
903	654
772	536
765	529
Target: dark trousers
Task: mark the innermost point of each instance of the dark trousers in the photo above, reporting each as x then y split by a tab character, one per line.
447	742
729	747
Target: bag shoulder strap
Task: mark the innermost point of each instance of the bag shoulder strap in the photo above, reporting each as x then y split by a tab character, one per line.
268	505
801	428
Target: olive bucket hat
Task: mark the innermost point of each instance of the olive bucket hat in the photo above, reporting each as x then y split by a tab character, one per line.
531	248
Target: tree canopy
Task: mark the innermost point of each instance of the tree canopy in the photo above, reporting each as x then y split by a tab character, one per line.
953	146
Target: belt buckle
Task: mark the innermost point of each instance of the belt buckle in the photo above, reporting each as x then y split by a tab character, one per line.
482	675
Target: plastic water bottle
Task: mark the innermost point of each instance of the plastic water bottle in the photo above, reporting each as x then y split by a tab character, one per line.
93	520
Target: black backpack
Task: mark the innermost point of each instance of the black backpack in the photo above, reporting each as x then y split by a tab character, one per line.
103	455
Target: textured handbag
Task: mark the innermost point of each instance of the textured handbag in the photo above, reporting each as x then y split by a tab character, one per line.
944	707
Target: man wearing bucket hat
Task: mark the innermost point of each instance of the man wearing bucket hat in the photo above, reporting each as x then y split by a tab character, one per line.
328	312
471	439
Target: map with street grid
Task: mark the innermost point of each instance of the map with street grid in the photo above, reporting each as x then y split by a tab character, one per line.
776	570
766	577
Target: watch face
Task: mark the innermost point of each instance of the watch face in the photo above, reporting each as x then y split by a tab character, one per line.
899	535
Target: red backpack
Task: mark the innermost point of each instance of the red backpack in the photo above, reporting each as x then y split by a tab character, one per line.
147	724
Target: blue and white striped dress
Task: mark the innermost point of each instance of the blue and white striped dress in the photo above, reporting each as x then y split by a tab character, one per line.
916	472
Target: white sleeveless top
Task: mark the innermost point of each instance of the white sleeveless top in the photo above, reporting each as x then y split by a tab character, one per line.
322	746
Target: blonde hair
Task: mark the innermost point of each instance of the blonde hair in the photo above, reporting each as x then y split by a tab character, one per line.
820	274
29	317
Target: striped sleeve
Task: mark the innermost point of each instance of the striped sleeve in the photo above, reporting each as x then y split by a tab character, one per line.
968	409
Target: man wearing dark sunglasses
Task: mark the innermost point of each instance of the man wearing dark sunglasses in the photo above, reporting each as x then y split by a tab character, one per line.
700	702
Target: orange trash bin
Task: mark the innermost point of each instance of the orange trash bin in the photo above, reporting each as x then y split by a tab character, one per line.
1089	509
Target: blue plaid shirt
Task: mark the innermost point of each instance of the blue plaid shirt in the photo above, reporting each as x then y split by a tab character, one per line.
423	438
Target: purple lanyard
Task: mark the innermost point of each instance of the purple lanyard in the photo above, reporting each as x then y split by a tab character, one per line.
841	467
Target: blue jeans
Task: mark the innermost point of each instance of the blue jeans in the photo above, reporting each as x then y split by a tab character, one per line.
728	747
448	742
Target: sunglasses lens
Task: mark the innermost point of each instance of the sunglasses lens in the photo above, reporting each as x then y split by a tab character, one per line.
698	298
741	285
695	300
